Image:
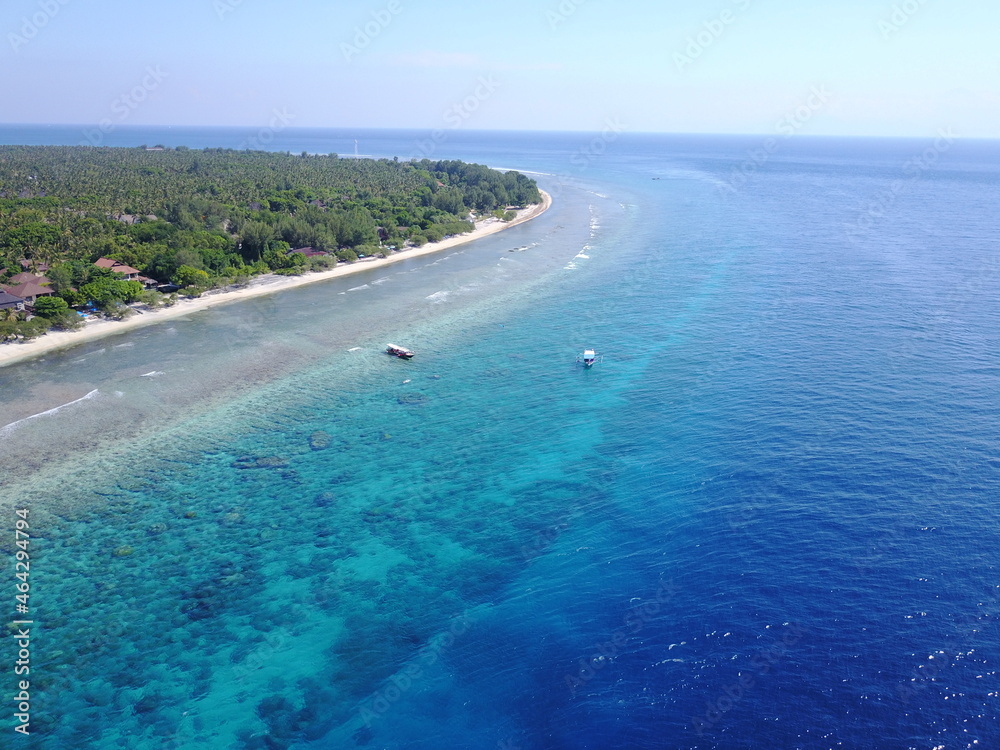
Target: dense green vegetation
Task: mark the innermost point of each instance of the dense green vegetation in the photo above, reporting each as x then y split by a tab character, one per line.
204	218
214	217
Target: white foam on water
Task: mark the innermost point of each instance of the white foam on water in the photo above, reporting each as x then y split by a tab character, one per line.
356	288
674	173
354	349
438	297
522	171
48	412
153	374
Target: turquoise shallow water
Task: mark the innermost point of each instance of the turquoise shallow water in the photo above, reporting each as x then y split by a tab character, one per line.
767	519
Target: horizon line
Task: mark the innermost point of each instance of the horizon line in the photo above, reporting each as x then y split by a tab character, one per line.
735	134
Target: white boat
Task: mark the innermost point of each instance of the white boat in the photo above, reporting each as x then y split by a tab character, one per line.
589	357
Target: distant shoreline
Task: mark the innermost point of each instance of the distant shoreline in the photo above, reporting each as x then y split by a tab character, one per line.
268	284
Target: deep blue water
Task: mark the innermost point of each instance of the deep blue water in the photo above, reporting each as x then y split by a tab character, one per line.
767	520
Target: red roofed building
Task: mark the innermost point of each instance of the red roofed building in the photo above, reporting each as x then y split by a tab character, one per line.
40	267
29	291
131	274
28	278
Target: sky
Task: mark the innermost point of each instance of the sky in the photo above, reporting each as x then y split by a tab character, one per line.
852	67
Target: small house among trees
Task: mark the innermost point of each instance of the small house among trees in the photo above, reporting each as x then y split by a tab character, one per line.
28	265
28	278
28	291
130	274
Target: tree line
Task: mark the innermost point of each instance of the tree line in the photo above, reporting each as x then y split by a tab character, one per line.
219	209
212	217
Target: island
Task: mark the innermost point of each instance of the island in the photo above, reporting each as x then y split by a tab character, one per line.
90	236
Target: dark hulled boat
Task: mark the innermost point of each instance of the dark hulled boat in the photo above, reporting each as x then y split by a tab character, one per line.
399	351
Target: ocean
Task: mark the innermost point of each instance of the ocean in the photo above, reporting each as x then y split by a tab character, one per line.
766	519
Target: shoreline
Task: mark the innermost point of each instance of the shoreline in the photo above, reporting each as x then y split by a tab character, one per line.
262	285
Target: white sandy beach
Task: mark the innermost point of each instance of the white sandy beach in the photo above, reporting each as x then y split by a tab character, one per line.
268	284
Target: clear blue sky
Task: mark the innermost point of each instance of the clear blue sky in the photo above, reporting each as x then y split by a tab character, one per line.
521	64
